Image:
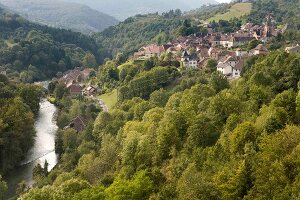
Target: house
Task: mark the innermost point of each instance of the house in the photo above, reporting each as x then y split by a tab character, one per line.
149	51
2	70
247	27
214	53
236	41
189	61
70	77
172	50
75	89
89	91
140	55
215	40
224	40
259	50
167	46
85	74
153	50
77	124
294	49
237	69
230	66
202	52
240	53
225	68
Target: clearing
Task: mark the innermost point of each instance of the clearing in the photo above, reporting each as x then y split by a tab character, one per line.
237	10
110	99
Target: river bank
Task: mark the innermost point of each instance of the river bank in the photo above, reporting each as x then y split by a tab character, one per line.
43	149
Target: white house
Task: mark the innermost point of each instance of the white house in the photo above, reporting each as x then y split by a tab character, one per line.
230	67
225	68
259	50
189	61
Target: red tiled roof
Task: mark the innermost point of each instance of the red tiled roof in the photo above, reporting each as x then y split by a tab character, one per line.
77	124
261	47
153	48
75	88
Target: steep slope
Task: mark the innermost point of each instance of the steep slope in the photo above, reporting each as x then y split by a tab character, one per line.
236	11
33	52
126	8
60	14
285	11
130	35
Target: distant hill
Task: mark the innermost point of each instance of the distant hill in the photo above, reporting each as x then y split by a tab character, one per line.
60	14
32	52
126	8
134	32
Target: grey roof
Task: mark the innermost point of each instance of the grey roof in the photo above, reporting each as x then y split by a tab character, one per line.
185	54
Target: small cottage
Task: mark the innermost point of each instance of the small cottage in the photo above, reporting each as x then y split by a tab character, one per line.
75	89
77	124
89	91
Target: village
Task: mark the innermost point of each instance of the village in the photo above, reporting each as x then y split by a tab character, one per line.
193	52
229	50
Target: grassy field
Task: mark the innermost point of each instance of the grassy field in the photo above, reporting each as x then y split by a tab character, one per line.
110	99
9	43
237	10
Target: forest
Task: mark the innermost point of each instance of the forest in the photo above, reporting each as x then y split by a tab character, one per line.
197	137
174	133
19	106
32	52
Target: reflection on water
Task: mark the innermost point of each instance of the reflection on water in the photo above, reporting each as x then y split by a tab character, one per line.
42	150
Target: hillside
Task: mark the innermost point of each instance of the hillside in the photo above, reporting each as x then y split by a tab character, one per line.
235	11
282	11
57	13
128	36
185	135
126	8
32	52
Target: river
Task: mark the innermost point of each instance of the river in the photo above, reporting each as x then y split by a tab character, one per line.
43	149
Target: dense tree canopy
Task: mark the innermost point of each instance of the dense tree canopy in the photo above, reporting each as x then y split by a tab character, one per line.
32	52
19	104
201	138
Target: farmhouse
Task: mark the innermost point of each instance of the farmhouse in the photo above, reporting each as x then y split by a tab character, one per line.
294	49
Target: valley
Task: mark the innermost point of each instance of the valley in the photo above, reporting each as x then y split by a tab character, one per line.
200	102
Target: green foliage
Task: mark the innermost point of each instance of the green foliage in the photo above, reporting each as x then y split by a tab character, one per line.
241	135
188	29
140	187
3	188
94	193
281	10
18	104
39	52
192	135
211	65
134	32
147	82
65	15
89	60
